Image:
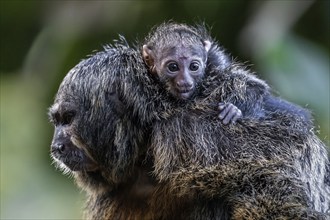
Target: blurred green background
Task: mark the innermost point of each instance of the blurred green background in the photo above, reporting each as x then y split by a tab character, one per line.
286	41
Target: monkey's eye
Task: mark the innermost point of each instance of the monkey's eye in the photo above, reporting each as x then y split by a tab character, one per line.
68	117
173	67
194	66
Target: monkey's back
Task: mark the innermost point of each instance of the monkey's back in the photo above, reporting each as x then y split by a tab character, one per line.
190	134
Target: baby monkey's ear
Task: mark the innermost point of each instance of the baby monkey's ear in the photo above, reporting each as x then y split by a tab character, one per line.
207	45
149	58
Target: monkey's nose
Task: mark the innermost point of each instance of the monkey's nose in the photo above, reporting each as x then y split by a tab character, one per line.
60	148
184	85
185	89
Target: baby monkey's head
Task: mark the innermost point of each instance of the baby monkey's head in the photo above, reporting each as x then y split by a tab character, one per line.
177	54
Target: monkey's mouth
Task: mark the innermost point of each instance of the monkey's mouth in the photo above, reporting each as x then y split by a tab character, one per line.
184	93
73	159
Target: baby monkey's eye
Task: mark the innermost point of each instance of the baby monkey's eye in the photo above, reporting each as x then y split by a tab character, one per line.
68	117
194	66
173	67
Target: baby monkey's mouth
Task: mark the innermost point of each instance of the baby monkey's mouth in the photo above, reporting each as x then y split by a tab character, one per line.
185	90
184	93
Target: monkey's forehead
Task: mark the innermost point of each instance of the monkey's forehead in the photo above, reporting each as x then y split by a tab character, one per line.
60	107
53	108
178	41
182	50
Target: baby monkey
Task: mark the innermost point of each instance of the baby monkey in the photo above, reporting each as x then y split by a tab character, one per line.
178	55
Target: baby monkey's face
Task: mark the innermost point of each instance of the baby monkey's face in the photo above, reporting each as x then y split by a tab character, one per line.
66	149
181	68
180	65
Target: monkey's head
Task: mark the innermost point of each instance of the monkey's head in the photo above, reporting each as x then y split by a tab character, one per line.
93	138
177	54
66	148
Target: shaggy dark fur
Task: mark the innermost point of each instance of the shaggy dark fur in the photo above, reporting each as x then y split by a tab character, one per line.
164	159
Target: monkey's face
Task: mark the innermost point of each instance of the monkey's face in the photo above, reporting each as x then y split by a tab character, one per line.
66	148
92	133
181	68
85	128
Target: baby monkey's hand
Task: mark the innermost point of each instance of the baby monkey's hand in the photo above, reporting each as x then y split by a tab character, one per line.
229	113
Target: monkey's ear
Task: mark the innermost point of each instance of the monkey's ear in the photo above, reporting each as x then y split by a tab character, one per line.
207	45
147	55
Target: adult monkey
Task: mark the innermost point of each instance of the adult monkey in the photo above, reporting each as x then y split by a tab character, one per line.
102	135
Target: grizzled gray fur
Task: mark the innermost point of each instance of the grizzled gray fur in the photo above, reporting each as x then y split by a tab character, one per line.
139	154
